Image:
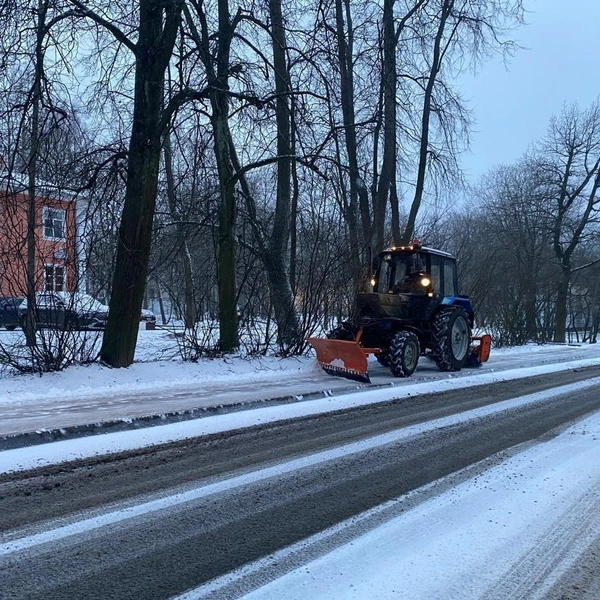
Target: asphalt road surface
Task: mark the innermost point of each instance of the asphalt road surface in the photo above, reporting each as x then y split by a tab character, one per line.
160	521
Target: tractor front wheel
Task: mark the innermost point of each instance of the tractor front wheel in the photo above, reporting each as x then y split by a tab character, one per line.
451	339
383	359
403	354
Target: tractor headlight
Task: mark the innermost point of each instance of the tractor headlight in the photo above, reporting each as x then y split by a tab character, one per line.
425	282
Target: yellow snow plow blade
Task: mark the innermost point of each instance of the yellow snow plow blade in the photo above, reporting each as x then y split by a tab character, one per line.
343	358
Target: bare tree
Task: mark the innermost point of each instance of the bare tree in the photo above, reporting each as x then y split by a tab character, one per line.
156	30
568	163
462	29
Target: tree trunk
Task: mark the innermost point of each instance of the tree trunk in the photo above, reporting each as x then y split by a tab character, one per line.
425	120
561	305
395	208
161	304
277	262
36	97
387	177
182	248
228	320
358	190
153	51
294	208
217	70
226	262
282	299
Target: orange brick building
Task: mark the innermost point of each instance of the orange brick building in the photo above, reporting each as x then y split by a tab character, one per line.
55	239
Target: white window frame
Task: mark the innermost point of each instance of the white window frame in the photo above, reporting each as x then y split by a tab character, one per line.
62	219
53	279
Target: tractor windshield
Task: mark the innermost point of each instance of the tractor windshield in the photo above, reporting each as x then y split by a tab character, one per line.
399	273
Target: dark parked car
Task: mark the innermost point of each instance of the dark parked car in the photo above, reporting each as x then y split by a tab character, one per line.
64	310
9	311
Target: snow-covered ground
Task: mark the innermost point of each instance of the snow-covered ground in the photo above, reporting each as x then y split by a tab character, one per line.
158	367
514	528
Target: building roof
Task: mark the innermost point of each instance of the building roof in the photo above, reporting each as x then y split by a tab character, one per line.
16	183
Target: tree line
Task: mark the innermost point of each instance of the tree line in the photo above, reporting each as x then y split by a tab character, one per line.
245	161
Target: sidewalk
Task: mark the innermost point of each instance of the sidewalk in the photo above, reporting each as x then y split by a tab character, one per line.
91	400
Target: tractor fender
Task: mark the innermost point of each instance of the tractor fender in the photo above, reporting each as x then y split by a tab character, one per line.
403	326
463	301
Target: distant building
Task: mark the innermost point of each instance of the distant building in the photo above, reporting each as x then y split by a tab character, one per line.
56	238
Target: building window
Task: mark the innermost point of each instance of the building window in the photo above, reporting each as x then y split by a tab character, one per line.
54	277
54	223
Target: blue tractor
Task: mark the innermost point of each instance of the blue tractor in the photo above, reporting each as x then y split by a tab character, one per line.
413	310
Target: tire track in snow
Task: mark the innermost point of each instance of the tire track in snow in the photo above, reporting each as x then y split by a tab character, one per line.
553	553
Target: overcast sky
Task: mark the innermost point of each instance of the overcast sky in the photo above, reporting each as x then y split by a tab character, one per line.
559	63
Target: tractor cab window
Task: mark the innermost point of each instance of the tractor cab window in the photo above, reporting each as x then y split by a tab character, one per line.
409	271
449	278
436	274
436	277
402	273
385	271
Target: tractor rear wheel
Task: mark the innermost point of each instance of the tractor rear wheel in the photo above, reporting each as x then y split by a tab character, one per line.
403	354
341	332
451	335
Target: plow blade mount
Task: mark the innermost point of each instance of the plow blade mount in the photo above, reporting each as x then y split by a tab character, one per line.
341	358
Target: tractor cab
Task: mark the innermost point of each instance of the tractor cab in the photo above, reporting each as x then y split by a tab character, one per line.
408	286
415	270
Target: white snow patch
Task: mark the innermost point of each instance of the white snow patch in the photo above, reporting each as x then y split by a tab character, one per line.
79	382
338	362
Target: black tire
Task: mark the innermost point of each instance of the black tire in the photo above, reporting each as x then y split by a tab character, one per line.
451	335
383	359
342	332
11	327
404	354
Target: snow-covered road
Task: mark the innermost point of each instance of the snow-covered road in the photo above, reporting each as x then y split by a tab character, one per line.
509	526
510	532
450	495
